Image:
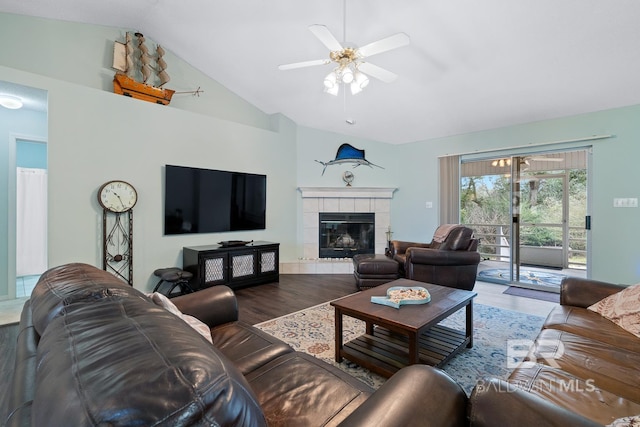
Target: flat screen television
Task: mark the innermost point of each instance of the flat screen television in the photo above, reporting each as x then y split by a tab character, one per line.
208	201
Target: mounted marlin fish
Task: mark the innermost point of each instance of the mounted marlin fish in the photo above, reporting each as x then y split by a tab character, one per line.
348	154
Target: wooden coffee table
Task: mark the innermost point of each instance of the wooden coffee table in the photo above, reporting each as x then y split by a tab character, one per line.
395	338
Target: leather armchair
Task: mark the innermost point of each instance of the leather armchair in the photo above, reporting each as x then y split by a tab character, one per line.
451	259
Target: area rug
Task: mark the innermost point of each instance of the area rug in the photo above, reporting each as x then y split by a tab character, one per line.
531	277
312	331
533	293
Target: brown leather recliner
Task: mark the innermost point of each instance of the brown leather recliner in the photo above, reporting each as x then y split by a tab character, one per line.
451	259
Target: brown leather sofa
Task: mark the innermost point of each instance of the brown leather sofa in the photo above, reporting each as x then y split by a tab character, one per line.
92	350
450	259
583	370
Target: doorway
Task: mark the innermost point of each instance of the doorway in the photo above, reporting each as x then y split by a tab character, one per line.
23	132
531	215
31	214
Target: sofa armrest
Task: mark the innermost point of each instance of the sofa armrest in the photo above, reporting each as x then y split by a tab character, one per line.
494	402
438	257
399	247
580	292
417	395
214	306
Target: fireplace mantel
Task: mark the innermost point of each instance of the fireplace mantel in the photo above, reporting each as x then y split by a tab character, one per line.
347	192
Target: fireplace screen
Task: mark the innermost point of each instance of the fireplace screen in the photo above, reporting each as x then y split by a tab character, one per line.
343	235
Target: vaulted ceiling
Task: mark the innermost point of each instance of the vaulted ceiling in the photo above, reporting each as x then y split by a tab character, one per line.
471	65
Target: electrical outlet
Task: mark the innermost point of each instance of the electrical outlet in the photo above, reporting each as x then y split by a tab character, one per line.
429	205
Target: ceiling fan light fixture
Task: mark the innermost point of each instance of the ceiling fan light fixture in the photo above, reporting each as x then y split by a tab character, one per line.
355	89
11	102
331	80
501	162
332	90
359	82
361	79
347	75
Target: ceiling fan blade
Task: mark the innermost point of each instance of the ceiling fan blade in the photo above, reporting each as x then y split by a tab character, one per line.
303	64
377	72
324	35
392	42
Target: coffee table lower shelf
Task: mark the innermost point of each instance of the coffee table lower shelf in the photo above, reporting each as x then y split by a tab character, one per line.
385	352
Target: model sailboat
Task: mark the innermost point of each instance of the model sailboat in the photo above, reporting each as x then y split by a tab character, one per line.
131	66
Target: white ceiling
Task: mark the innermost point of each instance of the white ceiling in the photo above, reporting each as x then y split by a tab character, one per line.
471	64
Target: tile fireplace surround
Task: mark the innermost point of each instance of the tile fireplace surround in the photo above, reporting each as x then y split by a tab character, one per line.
338	199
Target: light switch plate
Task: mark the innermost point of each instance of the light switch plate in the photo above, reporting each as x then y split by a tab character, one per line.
621	202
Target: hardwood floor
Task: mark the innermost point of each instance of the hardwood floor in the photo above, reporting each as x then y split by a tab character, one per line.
294	292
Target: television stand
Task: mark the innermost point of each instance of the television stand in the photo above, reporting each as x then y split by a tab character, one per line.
236	265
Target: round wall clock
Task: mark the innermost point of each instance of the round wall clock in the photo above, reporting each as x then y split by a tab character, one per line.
117	196
117	199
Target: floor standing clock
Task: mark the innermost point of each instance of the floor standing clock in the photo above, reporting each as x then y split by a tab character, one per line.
117	199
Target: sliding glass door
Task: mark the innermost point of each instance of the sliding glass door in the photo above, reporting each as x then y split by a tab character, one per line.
530	212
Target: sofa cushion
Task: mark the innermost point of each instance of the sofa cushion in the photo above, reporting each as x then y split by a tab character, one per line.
581	321
124	361
247	347
570	392
298	389
609	368
622	308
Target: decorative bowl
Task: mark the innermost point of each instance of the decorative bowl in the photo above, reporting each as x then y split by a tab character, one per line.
403	295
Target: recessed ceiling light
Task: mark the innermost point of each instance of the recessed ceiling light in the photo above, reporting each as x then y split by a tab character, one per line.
11	102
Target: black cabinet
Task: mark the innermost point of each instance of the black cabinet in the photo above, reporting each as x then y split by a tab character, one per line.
235	266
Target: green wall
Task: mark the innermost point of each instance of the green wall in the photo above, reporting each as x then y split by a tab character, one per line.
615	173
95	136
318	145
83	54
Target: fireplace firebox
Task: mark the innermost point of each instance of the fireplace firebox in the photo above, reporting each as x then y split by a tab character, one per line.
343	235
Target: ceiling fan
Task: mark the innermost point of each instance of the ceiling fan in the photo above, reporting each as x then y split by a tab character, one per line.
351	67
526	160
